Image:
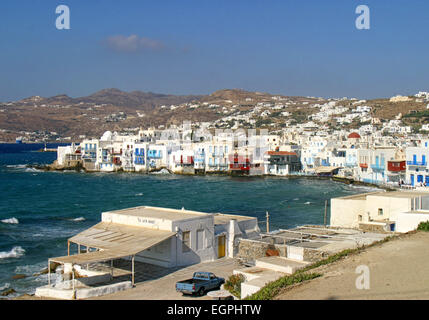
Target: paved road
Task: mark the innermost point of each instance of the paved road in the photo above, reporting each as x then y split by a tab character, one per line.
398	269
165	288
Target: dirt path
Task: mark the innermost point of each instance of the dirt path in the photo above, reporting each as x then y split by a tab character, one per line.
398	269
164	288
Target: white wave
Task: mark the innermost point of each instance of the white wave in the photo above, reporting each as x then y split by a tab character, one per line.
139	194
162	171
78	219
296	199
16	252
308	202
11	220
5	286
365	188
32	170
18	166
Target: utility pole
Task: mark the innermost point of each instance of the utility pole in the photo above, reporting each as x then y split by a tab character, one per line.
268	222
326	212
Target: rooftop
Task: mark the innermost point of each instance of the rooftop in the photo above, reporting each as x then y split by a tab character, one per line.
159	213
220	218
401	194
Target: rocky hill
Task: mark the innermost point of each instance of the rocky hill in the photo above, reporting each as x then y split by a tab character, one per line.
63	118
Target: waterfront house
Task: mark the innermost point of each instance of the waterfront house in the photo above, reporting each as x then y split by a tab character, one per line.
157	156
281	162
182	160
199	157
399	211
139	161
89	148
185	237
156	236
216	159
68	156
417	173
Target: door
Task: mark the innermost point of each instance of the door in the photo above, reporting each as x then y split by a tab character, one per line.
412	179
221	247
213	281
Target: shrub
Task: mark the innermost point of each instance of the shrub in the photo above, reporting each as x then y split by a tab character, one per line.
273	288
424	226
233	284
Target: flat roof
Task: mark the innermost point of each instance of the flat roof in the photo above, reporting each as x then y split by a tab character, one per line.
220	218
114	241
390	194
402	194
159	213
360	196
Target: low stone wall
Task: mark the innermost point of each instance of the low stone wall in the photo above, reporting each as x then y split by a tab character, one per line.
313	255
370	227
251	250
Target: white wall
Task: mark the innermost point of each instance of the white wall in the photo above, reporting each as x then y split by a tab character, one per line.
207	252
409	221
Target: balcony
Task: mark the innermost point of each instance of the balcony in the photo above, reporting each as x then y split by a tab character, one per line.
396	166
416	163
378	167
351	164
217	155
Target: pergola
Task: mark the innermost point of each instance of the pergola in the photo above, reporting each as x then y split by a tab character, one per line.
111	241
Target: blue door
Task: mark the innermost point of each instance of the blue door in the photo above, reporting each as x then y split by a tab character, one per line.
414	159
427	181
419	178
412	179
423	160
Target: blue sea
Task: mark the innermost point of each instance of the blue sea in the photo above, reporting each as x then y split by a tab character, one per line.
40	210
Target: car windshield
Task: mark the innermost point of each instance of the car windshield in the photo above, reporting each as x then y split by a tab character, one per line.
200	275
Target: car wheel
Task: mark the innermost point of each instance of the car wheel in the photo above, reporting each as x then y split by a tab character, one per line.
201	292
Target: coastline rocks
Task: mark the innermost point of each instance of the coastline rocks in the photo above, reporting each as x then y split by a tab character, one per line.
7	292
53	267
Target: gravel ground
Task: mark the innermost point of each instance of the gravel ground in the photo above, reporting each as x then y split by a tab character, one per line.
398	269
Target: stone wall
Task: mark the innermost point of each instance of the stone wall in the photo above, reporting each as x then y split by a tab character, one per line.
369	227
313	255
251	250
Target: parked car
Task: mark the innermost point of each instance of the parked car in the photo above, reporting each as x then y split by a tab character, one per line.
200	283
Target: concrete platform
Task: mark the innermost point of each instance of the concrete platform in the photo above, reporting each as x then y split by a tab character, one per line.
81	293
280	264
256	278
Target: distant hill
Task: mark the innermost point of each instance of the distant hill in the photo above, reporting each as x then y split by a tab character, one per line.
116	97
112	109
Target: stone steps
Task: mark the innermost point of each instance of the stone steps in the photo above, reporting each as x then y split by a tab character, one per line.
280	264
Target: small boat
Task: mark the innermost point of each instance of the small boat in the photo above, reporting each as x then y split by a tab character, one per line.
18	140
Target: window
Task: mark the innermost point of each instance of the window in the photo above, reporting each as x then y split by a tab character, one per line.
186	241
360	217
200	239
380	211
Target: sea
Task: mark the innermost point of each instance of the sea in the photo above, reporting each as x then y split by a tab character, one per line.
40	210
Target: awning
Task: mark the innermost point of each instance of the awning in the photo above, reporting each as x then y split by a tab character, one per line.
114	241
326	169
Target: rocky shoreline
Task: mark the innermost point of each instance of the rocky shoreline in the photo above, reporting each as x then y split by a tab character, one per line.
348	181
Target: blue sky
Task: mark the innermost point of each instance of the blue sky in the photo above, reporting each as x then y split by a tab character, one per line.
307	47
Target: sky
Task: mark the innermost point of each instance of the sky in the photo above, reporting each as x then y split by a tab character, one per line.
289	47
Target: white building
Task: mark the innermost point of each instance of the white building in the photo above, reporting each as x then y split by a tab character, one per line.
417	164
386	211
